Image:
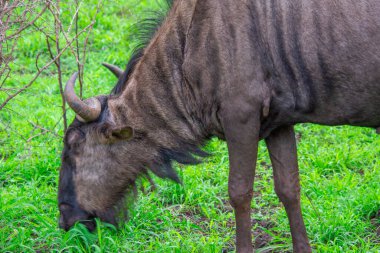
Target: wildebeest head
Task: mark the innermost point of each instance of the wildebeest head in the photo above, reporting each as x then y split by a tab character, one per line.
102	160
97	168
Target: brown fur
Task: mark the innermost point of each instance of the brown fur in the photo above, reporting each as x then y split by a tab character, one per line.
240	70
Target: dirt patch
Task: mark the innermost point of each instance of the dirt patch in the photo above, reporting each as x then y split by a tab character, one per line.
195	216
225	206
266	165
262	238
375	221
230	248
360	171
259	226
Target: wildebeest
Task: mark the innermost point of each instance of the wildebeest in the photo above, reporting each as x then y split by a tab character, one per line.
242	70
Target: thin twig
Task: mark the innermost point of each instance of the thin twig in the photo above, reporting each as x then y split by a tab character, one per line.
44	68
44	129
86	41
78	53
17	33
36	126
57	27
43	32
38	56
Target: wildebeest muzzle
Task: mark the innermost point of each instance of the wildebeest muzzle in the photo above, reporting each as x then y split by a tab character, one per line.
70	215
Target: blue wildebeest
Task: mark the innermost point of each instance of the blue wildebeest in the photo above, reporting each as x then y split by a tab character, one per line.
244	71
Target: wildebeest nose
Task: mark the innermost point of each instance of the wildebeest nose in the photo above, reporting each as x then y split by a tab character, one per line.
70	215
62	224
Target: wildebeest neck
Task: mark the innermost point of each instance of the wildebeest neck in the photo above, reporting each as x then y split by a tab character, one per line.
155	101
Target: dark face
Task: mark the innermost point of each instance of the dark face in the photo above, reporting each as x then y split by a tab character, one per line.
92	177
70	212
101	161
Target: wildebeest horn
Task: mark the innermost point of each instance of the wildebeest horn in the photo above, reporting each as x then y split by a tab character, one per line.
88	110
114	69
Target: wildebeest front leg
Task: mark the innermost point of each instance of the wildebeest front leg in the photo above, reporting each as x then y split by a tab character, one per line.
283	153
242	140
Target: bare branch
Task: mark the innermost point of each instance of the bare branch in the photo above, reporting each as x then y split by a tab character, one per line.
78	53
17	33
81	66
44	130
22	17
38	56
44	67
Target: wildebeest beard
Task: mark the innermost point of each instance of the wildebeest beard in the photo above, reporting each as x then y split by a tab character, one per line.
184	155
162	167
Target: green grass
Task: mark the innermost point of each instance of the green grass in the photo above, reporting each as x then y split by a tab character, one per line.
340	172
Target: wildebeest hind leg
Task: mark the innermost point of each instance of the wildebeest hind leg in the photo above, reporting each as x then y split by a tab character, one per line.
283	153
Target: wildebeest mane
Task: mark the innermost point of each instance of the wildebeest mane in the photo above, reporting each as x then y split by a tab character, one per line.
143	31
186	153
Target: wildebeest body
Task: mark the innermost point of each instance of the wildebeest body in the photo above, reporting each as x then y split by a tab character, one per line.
328	60
319	60
240	70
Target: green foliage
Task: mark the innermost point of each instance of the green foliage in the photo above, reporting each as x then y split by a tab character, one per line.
340	172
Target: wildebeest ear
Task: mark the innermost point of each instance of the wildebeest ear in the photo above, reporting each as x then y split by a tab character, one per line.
122	133
74	137
111	133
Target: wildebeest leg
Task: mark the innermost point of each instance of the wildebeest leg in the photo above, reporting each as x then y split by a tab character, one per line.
283	153
242	140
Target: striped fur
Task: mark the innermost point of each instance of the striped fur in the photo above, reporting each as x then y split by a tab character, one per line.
243	71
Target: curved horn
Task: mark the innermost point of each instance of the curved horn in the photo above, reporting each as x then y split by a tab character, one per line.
114	69
88	110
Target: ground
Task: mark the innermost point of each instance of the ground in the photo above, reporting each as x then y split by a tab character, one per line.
339	166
